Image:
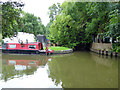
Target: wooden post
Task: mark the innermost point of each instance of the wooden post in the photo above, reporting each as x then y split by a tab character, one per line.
102	52
99	51
106	53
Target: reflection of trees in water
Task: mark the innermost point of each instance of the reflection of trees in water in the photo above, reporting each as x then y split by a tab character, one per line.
54	79
65	70
0	66
58	72
52	72
9	72
103	60
30	62
81	71
0	62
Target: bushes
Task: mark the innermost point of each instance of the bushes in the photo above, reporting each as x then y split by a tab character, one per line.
116	47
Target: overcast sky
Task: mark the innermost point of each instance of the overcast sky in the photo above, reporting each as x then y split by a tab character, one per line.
39	8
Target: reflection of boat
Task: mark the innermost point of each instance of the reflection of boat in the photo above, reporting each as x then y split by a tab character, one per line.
27	62
24	62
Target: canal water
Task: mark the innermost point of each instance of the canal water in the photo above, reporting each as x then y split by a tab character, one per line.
76	70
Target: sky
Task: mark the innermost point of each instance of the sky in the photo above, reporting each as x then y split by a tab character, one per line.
39	8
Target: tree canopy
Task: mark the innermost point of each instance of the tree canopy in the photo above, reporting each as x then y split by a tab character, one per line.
78	21
32	24
11	20
72	24
14	20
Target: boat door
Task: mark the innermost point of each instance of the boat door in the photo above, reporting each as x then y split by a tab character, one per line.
40	46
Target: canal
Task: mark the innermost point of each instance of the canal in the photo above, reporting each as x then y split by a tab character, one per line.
76	70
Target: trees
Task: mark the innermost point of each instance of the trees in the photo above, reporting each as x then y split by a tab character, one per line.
78	22
61	30
67	27
104	18
98	18
32	24
47	29
72	23
114	18
53	11
11	20
14	20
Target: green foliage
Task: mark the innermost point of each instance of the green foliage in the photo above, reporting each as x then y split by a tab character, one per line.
62	31
92	26
114	19
11	20
71	24
78	21
116	47
98	18
53	11
47	29
68	28
14	20
32	24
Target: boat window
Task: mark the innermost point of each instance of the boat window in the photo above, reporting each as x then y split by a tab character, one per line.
12	62
32	46
31	62
12	46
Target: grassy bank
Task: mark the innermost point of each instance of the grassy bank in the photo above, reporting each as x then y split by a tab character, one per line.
58	48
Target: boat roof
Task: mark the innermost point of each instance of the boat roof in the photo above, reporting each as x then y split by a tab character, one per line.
24	43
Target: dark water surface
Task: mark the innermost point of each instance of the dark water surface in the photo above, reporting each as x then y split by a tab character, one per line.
77	70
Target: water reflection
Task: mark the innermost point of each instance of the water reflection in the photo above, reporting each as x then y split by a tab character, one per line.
0	62
25	71
104	60
15	66
84	70
77	70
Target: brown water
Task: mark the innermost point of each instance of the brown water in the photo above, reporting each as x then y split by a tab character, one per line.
77	70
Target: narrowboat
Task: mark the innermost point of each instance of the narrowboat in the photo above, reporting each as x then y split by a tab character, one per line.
25	48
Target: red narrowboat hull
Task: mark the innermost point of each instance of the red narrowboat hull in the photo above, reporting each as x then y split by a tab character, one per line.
21	51
31	48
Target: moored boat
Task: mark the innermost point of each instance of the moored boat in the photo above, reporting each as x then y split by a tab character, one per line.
25	48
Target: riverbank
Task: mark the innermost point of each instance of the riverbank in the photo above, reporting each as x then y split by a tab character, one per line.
107	53
104	49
